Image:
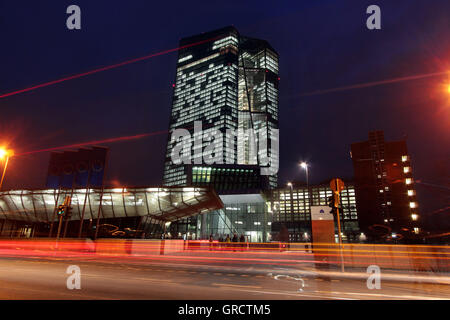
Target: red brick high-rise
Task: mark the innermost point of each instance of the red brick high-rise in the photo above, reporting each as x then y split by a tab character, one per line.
385	187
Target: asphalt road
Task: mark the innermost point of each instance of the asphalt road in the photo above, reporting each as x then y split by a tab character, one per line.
114	278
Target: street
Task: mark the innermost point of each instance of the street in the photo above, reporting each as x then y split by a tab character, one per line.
116	278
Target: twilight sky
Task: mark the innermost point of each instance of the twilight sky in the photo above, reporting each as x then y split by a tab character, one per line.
322	45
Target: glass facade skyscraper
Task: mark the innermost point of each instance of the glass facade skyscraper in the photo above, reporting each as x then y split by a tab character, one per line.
225	82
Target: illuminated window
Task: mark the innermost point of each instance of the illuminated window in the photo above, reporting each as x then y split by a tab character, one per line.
416	230
408	181
404	158
414	217
406	169
412	205
381	190
410	193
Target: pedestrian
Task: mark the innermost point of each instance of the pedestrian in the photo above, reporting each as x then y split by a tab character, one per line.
228	241
242	241
210	242
235	240
220	241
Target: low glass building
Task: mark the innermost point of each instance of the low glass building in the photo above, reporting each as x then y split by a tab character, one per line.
134	208
242	214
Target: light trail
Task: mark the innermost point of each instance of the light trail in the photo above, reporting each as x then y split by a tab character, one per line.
154	251
113	66
95	142
374	83
104	141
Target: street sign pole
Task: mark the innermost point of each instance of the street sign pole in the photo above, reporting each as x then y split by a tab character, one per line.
337	185
340	237
59	227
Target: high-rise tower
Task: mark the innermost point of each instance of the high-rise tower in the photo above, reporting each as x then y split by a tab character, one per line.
385	185
225	83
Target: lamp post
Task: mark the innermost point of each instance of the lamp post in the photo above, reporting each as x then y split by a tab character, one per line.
304	165
5	154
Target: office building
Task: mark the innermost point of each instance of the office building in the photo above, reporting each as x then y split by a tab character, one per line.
228	83
290	210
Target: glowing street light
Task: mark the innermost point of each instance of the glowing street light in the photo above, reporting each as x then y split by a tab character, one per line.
304	165
5	154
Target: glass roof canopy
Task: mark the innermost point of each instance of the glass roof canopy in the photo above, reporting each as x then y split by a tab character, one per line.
160	203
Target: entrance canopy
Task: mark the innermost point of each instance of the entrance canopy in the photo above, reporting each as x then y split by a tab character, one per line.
160	203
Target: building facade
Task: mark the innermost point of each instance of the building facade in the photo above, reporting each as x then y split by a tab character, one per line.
290	211
385	186
226	84
145	210
282	214
242	214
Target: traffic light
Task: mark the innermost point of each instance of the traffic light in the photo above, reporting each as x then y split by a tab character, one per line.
334	202
331	201
61	210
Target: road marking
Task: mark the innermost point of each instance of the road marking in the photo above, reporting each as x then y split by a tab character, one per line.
381	295
151	279
298	295
120	279
236	285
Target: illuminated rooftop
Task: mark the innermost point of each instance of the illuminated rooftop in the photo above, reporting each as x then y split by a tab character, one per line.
161	203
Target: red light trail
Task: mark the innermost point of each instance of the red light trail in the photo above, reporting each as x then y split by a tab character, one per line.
95	142
375	83
79	75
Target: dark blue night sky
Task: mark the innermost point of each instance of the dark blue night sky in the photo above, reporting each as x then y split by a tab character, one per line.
322	45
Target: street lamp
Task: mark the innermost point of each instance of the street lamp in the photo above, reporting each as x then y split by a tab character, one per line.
5	154
304	165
